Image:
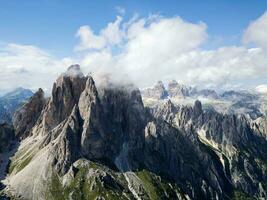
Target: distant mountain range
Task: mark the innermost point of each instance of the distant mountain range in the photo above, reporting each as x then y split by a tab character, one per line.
250	103
10	101
100	141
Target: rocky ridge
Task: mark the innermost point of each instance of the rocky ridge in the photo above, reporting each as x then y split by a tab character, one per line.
88	142
250	103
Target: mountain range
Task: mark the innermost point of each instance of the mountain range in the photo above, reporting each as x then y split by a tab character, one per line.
10	102
104	140
247	102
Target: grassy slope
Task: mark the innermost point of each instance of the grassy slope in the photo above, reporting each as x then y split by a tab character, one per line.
85	185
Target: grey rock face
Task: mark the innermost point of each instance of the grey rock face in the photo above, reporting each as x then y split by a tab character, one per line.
157	92
177	153
165	111
242	152
177	90
111	117
105	122
249	103
7	137
26	117
208	155
65	94
67	149
93	136
260	126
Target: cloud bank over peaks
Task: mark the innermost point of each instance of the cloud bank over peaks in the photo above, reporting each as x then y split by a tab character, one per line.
159	48
144	50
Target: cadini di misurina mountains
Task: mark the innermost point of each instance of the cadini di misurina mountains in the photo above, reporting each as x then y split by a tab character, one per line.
111	141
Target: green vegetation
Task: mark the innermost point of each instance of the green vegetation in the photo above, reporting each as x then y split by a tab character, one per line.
21	160
156	188
90	180
86	184
238	195
93	180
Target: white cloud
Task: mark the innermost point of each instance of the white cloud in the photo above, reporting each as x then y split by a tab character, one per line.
88	40
262	89
154	45
158	48
100	62
142	50
111	35
29	67
256	32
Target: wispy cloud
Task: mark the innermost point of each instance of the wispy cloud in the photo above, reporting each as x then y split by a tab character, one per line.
28	66
120	10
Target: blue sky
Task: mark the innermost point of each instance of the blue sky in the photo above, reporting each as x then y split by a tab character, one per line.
52	24
211	44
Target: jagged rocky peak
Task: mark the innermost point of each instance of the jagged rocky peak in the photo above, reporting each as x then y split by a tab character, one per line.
160	90
206	93
71	78
112	114
197	108
74	70
65	94
70	84
88	98
107	120
157	92
260	126
176	89
27	115
205	153
166	111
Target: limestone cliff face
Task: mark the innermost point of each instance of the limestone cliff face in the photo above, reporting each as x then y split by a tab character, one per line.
26	116
202	154
240	147
177	153
93	135
177	90
65	94
157	92
260	126
66	149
